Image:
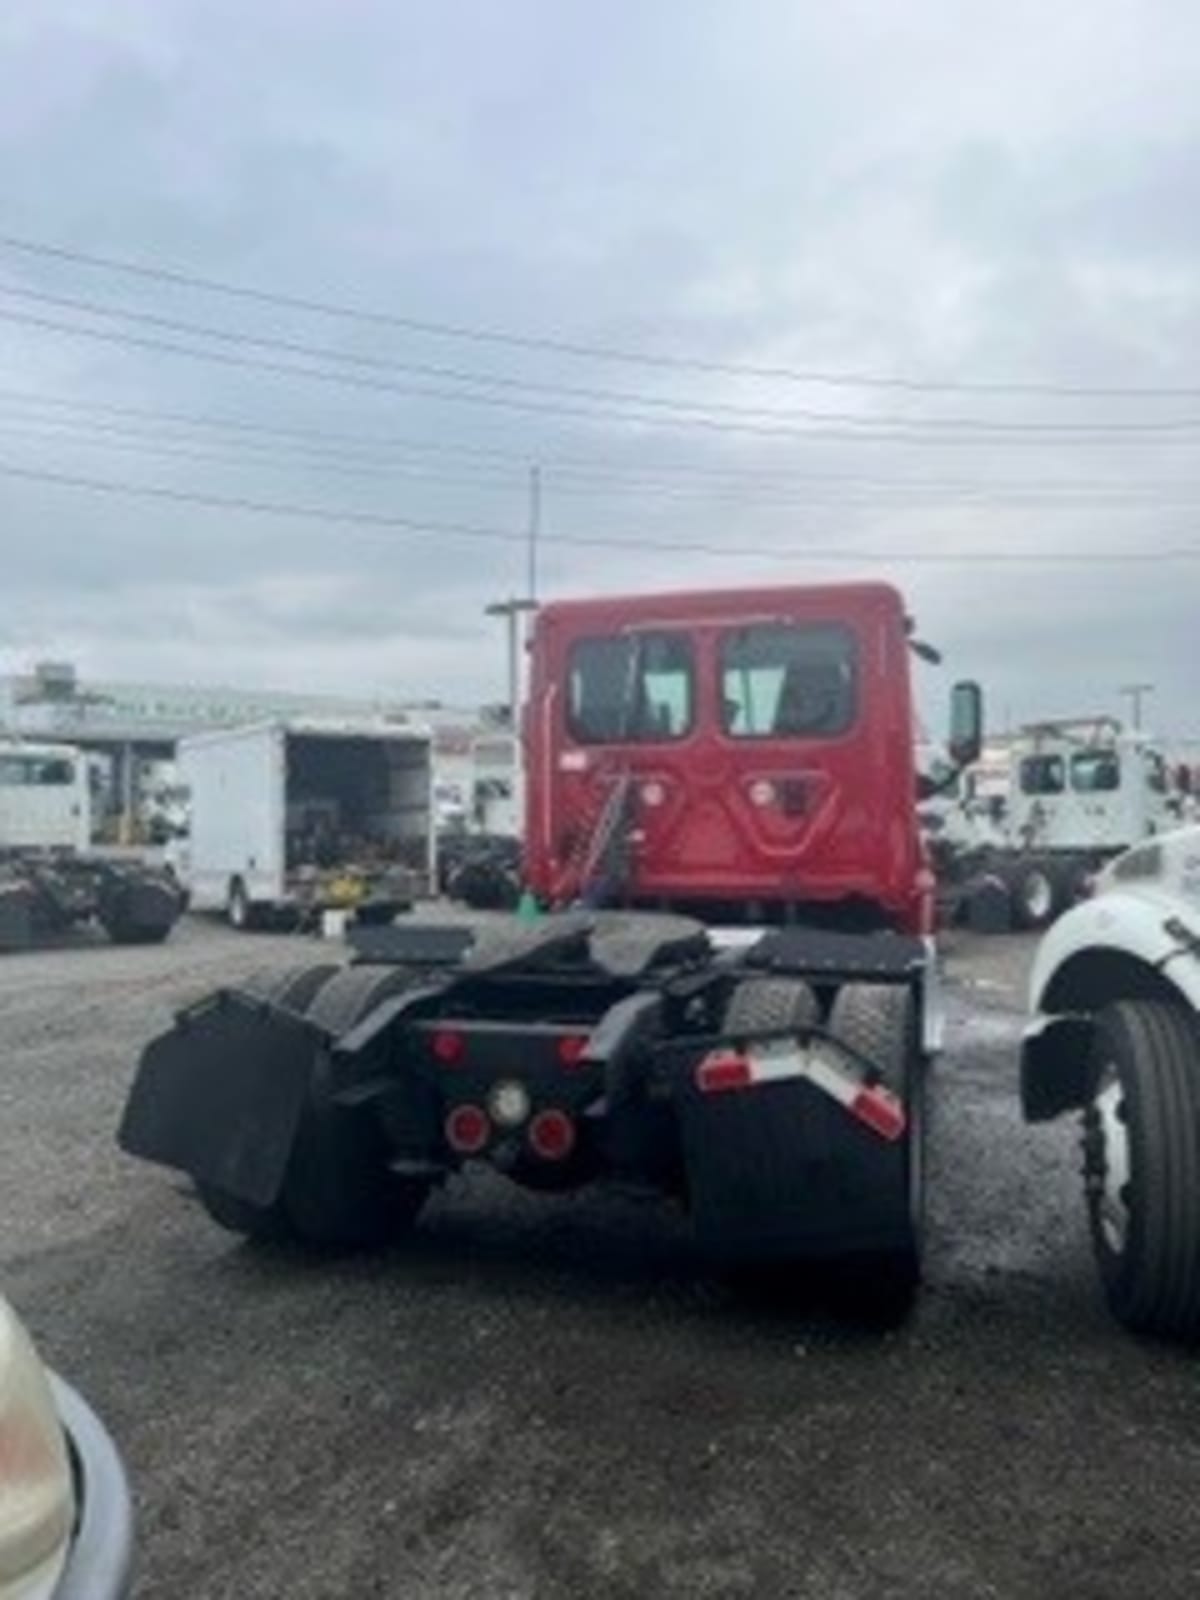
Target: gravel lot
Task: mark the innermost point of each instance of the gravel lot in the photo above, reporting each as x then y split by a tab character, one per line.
549	1398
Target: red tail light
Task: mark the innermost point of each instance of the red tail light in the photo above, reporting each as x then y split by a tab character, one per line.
571	1049
468	1130
449	1047
719	1073
552	1135
880	1110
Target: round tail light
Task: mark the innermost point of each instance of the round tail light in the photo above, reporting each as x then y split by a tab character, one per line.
552	1135
571	1050
468	1129
448	1046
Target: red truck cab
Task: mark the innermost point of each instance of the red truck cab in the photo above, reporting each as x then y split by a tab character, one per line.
741	753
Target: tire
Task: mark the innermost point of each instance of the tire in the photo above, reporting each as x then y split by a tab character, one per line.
879	1021
1142	1165
240	911
1036	893
338	1193
760	1003
292	988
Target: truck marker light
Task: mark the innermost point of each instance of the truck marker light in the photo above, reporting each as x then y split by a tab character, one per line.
509	1104
881	1112
571	1050
762	793
467	1130
552	1135
449	1047
653	793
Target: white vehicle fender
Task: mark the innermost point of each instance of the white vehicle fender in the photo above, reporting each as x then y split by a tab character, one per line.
1127	943
1143	926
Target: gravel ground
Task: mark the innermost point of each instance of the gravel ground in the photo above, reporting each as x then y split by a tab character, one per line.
549	1398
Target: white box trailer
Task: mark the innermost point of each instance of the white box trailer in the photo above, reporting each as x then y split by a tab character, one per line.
292	818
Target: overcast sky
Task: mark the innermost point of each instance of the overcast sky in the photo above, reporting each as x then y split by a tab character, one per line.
938	191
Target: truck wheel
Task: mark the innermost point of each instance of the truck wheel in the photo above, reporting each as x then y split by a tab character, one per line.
240	911
1036	898
760	1003
1142	1165
293	988
338	1193
879	1021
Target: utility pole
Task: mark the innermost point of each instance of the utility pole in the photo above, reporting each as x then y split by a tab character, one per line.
1134	693
535	529
512	610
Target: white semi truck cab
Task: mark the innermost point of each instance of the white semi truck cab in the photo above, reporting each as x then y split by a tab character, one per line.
44	797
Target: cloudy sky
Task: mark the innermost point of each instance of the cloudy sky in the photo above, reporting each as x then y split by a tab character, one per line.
698	226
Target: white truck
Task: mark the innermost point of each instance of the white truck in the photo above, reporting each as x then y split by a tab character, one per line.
1115	1035
292	818
50	879
1023	843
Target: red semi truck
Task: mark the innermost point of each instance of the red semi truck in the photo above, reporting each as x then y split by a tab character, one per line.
732	998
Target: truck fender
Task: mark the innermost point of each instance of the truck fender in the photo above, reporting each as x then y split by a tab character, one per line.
1123	945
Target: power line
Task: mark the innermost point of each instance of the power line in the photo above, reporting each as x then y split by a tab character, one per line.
576	466
1152	434
150	272
386	521
686	410
850	494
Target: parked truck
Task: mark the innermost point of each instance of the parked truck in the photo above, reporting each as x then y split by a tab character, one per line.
1115	1039
51	878
731	996
1031	827
288	819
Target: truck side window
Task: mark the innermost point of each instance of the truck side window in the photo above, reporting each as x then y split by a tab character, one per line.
1095	772
633	687
1043	775
785	680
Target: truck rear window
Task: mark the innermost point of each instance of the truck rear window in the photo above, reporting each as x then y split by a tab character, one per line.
1043	775
785	680
632	687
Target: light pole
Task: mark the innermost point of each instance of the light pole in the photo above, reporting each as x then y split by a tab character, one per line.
512	610
1134	693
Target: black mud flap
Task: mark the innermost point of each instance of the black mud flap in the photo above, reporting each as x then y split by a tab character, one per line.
221	1094
782	1170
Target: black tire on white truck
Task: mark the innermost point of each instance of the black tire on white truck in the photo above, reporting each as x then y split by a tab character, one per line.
1142	1164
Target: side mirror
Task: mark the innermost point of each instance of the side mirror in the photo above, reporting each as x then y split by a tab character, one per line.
966	723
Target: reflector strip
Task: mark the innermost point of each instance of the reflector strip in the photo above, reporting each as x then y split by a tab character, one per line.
717	1074
881	1111
875	1106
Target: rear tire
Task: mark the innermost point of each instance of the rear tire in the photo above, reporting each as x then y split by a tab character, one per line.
761	1003
1036	894
879	1021
1142	1165
240	911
